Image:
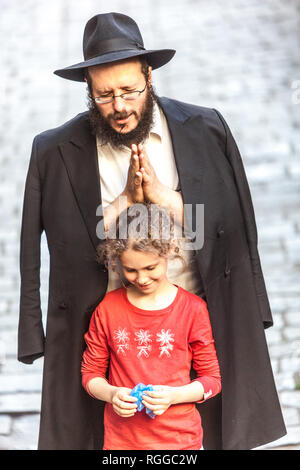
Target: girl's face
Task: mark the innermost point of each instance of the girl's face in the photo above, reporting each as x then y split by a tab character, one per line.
144	270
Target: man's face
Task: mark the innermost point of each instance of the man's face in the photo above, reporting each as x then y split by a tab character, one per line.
117	78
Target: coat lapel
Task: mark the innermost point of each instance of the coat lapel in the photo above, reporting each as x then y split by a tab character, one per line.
80	158
186	133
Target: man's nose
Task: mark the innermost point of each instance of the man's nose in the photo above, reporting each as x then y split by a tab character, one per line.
118	104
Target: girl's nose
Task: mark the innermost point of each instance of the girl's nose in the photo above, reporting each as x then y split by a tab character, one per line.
142	279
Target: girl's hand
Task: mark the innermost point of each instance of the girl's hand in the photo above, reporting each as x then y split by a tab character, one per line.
160	399
122	403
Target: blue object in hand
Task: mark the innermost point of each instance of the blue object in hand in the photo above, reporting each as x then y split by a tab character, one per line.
137	392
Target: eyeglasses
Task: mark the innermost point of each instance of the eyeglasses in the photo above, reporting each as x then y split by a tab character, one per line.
127	96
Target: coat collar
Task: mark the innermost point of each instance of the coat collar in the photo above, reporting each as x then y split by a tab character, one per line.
79	154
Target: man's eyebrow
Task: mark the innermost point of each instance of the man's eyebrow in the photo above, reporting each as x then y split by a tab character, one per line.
125	87
102	92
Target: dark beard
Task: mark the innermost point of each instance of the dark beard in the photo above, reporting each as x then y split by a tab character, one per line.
101	127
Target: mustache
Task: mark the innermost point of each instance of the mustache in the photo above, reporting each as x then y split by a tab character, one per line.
122	115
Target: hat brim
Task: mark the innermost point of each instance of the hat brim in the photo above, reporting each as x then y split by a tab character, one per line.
155	59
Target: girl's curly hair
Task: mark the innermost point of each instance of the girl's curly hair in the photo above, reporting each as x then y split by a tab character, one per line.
142	227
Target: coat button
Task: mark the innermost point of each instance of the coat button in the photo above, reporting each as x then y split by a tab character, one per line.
227	272
220	233
63	305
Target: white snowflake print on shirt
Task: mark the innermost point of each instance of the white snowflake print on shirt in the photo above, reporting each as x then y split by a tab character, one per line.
165	338
143	337
122	337
206	395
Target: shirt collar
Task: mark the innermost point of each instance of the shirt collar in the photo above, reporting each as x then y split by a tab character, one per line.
157	124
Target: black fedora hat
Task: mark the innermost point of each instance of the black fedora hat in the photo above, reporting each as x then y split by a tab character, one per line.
110	37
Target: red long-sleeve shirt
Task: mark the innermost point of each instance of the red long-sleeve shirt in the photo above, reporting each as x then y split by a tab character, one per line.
154	347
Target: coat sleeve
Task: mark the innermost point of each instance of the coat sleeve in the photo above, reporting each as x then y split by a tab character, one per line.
235	160
30	330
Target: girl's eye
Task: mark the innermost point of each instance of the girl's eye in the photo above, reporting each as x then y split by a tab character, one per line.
150	268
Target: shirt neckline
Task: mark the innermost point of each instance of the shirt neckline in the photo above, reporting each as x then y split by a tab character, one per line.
152	312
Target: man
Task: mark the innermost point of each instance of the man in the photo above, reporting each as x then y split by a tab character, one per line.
132	143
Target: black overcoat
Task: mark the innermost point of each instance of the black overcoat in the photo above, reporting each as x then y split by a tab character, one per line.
62	194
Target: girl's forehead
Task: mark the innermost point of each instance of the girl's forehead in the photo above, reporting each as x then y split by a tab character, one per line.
135	258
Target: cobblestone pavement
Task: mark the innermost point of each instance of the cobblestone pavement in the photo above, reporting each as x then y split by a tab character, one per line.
242	60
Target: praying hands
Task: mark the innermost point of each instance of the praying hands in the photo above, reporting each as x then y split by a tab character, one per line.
143	185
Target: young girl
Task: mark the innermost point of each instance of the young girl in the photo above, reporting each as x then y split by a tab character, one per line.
150	331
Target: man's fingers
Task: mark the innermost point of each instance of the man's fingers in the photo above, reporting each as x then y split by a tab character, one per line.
134	149
144	162
134	162
138	178
139	158
145	176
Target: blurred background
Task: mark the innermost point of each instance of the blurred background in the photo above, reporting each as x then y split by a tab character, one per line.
241	57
